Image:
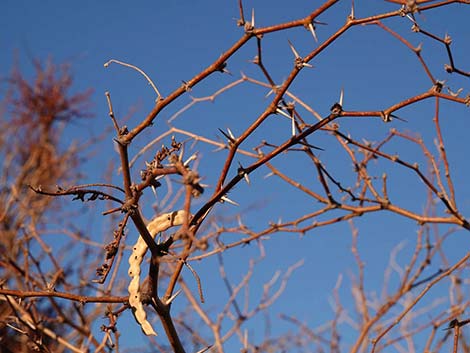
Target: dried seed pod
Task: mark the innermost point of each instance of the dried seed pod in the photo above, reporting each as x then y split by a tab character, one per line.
157	225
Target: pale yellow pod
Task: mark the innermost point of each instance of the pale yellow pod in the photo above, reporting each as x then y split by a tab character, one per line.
155	226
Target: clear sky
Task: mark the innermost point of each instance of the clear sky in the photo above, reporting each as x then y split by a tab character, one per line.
174	40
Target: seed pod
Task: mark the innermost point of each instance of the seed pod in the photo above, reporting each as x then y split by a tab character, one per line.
157	225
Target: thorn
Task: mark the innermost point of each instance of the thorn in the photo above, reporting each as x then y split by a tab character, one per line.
410	18
352	15
253	17
297	56
283	113
268	175
398	118
226	199
341	96
223	68
221	148
154	190
274	89
245	174
311	146
180	157
255	60
240	223
228	136
230	133
311	27
307	65
190	159
247	178
293	125
204	349
387	117
418	48
170	300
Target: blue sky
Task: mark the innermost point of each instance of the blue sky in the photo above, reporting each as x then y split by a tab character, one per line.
173	41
